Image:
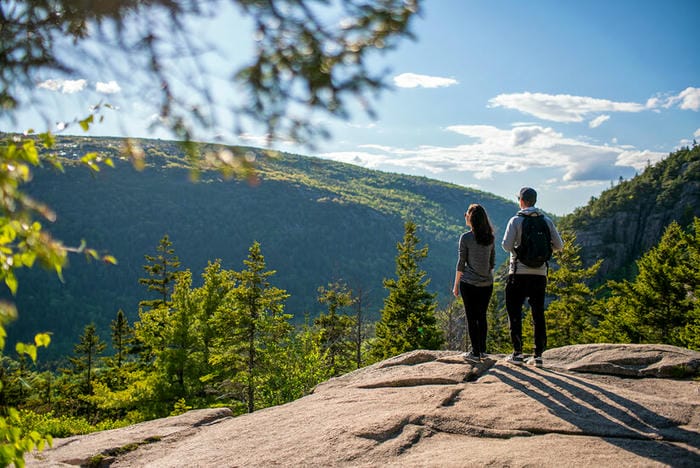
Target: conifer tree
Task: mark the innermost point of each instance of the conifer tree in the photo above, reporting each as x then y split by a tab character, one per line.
217	284
335	329
362	328
176	361
569	317
690	335
251	330
408	318
78	381
660	305
118	366
161	269
86	355
122	338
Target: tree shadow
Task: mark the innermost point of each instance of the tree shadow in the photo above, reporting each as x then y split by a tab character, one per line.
598	412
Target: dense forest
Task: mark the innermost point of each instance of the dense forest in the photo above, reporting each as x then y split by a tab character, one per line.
317	222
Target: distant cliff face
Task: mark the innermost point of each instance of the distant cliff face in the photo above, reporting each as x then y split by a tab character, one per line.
629	219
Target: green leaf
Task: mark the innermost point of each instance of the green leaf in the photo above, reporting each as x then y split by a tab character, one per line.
42	339
48	139
31	154
28	349
109	259
11	282
85	123
27	259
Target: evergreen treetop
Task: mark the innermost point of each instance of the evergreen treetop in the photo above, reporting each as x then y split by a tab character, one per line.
408	319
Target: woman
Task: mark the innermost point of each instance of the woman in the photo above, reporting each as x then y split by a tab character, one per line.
474	276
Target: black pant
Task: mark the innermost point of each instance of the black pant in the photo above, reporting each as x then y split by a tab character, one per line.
519	288
476	303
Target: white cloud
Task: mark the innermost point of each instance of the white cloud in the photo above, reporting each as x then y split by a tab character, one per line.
561	107
697	133
690	99
582	184
413	80
63	86
494	151
111	87
638	159
598	121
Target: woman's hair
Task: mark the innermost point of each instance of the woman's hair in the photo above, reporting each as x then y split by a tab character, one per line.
480	224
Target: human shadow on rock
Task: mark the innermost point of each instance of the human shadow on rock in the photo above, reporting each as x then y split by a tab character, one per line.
600	413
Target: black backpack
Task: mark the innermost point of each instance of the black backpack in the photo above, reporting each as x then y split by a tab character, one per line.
535	242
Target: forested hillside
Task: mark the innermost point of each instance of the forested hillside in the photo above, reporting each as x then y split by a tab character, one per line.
629	218
316	221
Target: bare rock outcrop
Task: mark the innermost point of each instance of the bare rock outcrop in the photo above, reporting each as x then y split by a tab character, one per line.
591	405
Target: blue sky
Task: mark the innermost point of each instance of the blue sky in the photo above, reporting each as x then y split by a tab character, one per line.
566	97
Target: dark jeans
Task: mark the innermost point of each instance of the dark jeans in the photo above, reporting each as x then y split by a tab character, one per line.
476	303
519	288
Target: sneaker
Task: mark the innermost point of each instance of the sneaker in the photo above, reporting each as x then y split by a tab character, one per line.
515	358
535	361
484	356
472	357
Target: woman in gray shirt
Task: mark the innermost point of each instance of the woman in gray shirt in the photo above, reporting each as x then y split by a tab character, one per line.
474	276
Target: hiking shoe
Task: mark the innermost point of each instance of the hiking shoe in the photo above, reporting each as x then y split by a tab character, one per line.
515	358
535	361
484	356
472	357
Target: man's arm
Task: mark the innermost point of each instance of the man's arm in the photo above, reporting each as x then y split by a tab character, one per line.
557	242
508	243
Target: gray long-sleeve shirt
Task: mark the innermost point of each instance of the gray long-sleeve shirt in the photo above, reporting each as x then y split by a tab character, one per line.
511	240
476	261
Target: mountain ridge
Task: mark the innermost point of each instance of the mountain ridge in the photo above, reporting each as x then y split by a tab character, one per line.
317	221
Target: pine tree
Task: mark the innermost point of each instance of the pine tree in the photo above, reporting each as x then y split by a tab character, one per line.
161	270
251	331
362	328
217	285
86	355
335	329
122	338
690	335
174	340
117	372
176	360
569	317
661	304
408	318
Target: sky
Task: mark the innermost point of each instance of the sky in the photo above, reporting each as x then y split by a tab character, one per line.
565	97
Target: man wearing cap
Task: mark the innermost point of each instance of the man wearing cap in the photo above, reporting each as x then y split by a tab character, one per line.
526	281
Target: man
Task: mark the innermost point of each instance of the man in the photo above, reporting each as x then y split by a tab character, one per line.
527	281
